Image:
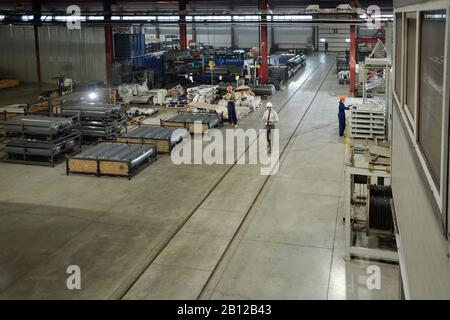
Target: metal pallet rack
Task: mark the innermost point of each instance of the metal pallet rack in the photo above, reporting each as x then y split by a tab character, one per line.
41	140
97	120
368	122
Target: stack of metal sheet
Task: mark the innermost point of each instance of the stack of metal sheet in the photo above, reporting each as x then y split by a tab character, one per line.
41	148
133	154
163	133
34	137
213	120
39	125
97	119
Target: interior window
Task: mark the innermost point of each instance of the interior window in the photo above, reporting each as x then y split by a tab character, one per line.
411	25
431	88
398	53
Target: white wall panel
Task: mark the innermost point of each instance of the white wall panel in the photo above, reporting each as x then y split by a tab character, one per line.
336	36
79	54
17	53
424	245
246	36
292	36
218	36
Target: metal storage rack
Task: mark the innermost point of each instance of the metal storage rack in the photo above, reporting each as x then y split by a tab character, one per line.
97	120
41	140
368	122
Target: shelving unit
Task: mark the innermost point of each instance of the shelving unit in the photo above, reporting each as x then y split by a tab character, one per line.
41	140
97	120
368	122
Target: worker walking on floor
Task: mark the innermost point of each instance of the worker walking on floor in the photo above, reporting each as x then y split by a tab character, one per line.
341	115
270	118
231	106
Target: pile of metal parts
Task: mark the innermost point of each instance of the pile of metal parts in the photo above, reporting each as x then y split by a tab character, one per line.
98	120
176	96
243	96
205	93
295	63
278	75
135	93
41	139
135	111
284	67
343	61
380	211
117	159
344	77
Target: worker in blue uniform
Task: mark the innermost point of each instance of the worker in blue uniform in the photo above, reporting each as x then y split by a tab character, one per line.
231	106
341	115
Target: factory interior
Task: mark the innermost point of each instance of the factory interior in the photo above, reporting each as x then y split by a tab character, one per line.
224	150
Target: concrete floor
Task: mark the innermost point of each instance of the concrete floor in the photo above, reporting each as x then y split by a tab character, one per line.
195	231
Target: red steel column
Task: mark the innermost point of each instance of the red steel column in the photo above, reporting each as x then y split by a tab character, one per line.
38	54
108	53
108	41
36	6
194	34
352	59
263	6
182	23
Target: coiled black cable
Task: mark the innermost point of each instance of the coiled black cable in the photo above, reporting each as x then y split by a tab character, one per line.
380	211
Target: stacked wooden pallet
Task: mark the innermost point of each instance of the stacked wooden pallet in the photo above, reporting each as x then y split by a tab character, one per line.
368	122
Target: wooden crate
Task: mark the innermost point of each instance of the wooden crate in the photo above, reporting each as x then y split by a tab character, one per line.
172	124
4	84
191	128
114	168
105	167
82	166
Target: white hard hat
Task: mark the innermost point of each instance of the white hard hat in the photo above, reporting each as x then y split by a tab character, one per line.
269	105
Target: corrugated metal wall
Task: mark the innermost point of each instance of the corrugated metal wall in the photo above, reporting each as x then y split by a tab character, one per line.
17	54
79	54
246	36
336	36
293	37
218	36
